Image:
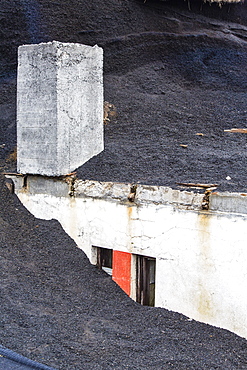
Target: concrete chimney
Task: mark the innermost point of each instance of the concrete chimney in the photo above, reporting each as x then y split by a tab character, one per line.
59	107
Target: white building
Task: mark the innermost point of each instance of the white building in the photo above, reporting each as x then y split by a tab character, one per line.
162	247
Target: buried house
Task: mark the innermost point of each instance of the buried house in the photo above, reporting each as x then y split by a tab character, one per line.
181	247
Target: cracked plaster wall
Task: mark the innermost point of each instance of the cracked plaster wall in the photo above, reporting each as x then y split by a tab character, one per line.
200	255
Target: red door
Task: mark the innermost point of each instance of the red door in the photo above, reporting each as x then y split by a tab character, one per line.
121	270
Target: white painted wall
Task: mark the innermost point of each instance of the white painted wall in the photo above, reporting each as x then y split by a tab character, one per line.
201	256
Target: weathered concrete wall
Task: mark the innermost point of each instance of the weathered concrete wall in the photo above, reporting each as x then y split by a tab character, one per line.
201	256
59	107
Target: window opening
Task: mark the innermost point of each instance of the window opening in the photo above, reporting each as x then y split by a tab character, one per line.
145	280
104	260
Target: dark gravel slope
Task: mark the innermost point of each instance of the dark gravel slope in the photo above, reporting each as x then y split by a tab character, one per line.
58	309
171	73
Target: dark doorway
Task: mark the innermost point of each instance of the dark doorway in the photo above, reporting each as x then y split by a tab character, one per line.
104	260
145	281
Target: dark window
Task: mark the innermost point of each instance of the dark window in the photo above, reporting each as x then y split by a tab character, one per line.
145	280
104	259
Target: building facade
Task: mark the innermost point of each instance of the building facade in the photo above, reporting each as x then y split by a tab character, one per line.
158	244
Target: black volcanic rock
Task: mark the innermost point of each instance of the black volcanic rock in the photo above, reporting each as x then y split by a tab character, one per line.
171	72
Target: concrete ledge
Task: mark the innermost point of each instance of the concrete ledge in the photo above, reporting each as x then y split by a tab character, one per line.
228	202
68	186
106	190
143	193
34	184
166	195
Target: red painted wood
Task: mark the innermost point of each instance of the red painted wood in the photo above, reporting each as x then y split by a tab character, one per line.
121	270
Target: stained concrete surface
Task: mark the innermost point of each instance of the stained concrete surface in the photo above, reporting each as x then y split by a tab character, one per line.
56	84
171	73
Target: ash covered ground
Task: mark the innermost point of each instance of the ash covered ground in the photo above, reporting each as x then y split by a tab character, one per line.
171	72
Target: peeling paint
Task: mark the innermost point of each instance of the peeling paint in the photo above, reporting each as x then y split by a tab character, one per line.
129	228
205	305
204	302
